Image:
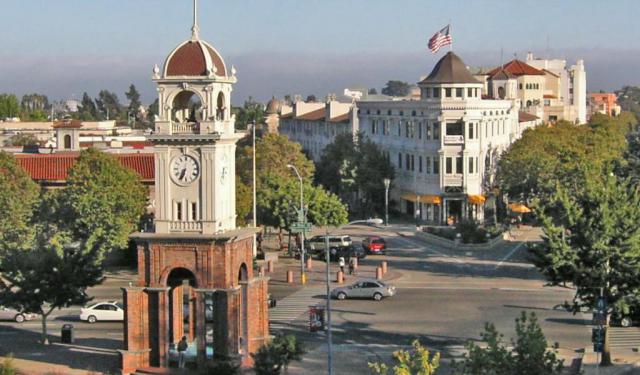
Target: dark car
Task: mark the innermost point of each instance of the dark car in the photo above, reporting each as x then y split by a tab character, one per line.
374	245
346	252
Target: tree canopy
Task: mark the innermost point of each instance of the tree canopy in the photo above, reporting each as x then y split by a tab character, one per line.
417	361
396	88
251	111
354	170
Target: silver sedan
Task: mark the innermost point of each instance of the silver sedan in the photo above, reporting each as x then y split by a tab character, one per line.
369	288
7	313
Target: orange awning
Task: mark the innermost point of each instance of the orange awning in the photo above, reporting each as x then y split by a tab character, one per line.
412	197
519	208
477	199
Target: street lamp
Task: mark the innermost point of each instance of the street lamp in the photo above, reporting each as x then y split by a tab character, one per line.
253	160
328	261
386	182
302	217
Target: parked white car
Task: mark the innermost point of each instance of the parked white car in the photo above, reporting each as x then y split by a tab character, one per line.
7	313
103	311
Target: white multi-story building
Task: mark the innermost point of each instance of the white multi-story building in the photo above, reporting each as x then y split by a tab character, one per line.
315	125
445	144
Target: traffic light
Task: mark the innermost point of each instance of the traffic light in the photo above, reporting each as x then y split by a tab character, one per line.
597	337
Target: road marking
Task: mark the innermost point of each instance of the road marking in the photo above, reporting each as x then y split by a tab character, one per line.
508	256
504	289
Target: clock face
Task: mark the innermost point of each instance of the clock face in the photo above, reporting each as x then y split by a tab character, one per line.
184	169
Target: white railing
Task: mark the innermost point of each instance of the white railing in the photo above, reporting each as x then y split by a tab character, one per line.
182	128
453	139
453	180
185	226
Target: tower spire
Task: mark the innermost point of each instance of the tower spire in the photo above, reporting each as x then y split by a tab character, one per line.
195	29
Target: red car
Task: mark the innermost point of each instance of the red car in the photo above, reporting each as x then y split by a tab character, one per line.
374	245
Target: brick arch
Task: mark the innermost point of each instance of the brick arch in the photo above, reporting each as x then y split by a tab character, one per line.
243	272
164	275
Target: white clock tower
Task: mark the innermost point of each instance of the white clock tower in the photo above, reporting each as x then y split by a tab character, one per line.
194	140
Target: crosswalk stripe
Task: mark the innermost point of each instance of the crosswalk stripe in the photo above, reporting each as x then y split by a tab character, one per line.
292	307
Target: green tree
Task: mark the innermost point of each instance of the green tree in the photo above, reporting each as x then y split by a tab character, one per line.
22	139
19	195
373	91
88	110
104	200
152	111
396	88
9	106
418	361
277	354
244	203
530	354
355	170
134	102
108	105
251	111
34	107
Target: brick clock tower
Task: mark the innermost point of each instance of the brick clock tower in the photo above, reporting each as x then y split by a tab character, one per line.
195	274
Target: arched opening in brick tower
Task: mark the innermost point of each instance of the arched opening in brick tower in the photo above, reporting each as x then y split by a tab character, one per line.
243	277
220	107
182	307
186	108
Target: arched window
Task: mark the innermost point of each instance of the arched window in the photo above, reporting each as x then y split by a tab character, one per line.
186	107
221	109
67	142
529	103
501	92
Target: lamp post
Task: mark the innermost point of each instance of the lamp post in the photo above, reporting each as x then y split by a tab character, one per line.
328	284
303	278
386	182
253	160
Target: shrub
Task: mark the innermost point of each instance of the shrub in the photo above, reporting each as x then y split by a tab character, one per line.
7	367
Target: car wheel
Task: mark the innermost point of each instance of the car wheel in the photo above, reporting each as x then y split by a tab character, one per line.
92	319
19	318
377	296
341	296
625	322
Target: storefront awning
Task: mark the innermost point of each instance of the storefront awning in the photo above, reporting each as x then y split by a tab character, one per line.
477	199
519	208
429	199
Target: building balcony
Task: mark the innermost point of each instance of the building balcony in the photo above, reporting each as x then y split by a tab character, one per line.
453	180
185	226
185	128
453	139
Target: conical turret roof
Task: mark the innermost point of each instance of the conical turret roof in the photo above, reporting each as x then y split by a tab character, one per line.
450	69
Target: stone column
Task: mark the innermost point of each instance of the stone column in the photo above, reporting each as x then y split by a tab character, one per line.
159	325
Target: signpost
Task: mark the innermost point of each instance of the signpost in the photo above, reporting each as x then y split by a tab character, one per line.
300	227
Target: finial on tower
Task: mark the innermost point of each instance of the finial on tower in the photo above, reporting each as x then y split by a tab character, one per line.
195	29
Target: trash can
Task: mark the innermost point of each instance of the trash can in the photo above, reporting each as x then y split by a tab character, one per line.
67	334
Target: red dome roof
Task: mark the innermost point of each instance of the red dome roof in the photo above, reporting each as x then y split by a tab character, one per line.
194	58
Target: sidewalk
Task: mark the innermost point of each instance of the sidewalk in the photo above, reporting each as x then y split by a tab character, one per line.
625	362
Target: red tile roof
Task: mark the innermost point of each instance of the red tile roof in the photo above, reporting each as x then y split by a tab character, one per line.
549	96
341	118
55	167
189	60
316	115
518	68
526	117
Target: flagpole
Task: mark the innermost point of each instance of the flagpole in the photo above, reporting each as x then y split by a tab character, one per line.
450	44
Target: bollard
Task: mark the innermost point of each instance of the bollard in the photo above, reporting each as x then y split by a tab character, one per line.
308	263
340	277
289	277
383	265
355	264
303	278
261	271
379	273
270	266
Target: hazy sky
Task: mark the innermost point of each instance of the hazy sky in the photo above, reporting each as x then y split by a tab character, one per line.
65	47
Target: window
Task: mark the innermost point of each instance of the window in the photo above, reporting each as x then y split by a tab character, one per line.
469	92
436	93
427	93
470	130
449	165
428	130
419	129
436	130
407	130
520	86
420	164
178	211
399	161
373	126
67	142
436	165
407	161
470	165
459	164
400	128
427	165
459	92
447	92
385	127
389	112
413	113
547	102
194	211
455	128
413	164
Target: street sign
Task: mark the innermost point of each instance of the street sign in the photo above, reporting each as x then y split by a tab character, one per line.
597	337
301	227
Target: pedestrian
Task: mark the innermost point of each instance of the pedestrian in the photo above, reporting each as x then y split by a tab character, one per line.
182	349
341	264
259	241
352	265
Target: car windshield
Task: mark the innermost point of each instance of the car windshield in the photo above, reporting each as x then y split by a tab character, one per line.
379	240
317	239
120	305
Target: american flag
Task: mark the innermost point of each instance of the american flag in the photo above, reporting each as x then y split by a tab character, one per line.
440	39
